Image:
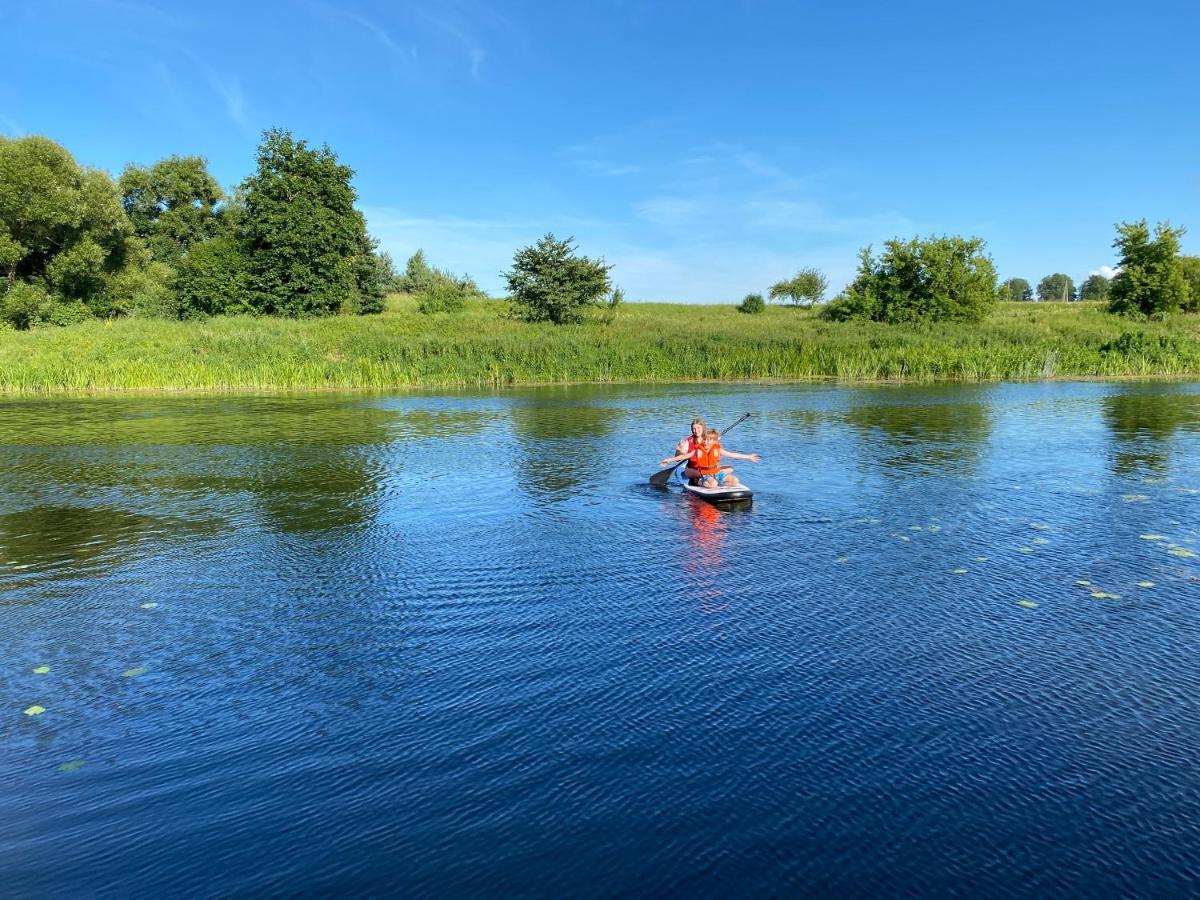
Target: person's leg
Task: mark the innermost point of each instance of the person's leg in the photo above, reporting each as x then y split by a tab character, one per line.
729	479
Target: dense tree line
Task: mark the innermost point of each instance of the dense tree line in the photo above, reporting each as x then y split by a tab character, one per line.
165	240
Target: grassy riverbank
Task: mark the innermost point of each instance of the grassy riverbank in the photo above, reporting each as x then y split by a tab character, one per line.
645	342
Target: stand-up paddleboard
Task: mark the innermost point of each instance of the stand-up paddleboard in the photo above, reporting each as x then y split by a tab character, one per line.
738	494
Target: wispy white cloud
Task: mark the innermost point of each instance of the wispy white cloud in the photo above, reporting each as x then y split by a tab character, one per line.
406	53
604	168
1106	271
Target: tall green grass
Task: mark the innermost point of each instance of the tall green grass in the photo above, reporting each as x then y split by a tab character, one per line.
642	342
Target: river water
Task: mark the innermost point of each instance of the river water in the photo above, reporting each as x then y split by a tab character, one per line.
454	645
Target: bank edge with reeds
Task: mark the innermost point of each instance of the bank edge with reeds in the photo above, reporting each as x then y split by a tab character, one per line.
653	342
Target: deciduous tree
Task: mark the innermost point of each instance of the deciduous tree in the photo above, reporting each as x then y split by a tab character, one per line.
173	205
549	282
1151	281
1094	287
1015	289
804	288
305	244
1056	287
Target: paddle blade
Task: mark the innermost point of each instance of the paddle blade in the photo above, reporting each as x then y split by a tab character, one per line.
662	477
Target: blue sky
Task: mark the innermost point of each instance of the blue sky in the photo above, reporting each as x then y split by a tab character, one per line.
706	149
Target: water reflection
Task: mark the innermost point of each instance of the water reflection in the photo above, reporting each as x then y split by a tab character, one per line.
85	538
922	438
561	445
1143	420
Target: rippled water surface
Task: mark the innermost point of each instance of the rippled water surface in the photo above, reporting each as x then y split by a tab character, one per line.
454	644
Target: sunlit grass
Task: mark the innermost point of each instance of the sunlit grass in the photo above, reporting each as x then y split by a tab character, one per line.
644	342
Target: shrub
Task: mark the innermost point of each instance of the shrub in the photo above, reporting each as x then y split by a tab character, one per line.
933	280
549	283
144	292
25	305
752	304
446	295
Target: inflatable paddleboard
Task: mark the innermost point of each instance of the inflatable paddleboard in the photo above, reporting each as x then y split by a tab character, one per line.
738	494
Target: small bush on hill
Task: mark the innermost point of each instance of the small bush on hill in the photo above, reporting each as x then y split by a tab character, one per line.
752	304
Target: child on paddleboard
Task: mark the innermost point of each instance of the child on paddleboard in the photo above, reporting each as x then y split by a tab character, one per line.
704	463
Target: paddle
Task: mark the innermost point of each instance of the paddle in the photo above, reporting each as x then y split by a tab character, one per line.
662	476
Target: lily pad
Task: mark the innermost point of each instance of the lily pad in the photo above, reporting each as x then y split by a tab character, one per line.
935	527
1101	595
960	571
41	670
133	673
149	606
73	766
904	537
842	559
981	559
1083	582
1152	537
1040	526
1040	540
35	710
1145	584
1181	551
1026	549
1028	604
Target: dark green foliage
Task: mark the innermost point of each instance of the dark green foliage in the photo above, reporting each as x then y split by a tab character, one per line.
1191	273
370	280
25	305
1056	287
1094	287
549	283
62	228
173	205
805	288
1151	281
1015	289
301	235
214	279
1154	348
752	304
934	280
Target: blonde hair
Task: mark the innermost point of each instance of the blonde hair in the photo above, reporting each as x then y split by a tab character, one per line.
711	432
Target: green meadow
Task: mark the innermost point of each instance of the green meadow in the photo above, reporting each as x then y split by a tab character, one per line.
483	346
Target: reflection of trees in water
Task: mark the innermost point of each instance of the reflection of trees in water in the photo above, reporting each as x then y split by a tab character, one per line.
307	462
561	445
1142	421
50	536
907	439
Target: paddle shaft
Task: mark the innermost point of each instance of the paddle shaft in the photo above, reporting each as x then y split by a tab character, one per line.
664	476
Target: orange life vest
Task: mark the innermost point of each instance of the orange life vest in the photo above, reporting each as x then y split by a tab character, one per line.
706	461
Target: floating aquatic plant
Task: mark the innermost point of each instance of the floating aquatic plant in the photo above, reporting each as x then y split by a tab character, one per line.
41	670
1028	604
35	710
73	766
133	673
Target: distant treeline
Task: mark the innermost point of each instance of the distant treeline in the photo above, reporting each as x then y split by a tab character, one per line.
166	241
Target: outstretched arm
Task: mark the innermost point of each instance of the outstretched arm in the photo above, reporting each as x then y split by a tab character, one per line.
752	457
674	459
